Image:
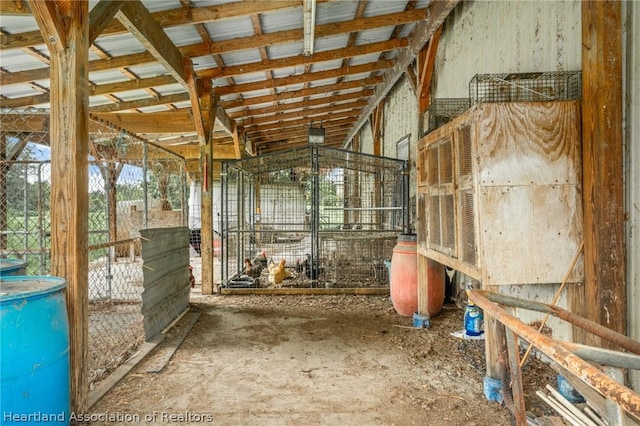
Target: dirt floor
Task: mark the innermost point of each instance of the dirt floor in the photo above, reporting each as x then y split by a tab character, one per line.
316	360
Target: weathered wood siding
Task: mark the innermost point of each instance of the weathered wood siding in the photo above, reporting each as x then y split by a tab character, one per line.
165	253
483	37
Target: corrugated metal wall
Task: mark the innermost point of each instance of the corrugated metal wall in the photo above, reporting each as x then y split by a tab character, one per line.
506	36
165	253
631	67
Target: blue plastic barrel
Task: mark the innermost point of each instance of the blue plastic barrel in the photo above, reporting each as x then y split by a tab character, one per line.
12	267
34	348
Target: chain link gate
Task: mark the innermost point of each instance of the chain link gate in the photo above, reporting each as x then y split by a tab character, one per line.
133	184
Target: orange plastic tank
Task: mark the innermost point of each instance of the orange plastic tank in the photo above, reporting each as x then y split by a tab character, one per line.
404	279
404	275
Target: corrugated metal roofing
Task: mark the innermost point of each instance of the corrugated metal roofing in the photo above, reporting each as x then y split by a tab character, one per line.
252	51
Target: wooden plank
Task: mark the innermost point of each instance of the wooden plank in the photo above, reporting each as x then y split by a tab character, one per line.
164	352
603	164
307	291
515	222
69	173
107	384
180	121
141	103
523	142
513	349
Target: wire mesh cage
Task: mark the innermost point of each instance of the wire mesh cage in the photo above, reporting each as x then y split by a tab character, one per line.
441	111
525	87
311	217
132	184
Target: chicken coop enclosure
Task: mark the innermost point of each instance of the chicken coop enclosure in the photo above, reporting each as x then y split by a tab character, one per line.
332	215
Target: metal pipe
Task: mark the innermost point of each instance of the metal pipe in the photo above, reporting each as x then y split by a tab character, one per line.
627	399
595	328
604	356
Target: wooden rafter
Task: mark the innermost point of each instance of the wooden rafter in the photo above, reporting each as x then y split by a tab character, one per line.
427	64
139	22
100	17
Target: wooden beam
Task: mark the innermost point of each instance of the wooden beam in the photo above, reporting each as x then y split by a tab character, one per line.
412	79
200	92
181	121
15	8
282	107
305	78
437	11
140	103
303	121
69	51
603	163
101	16
139	22
312	91
309	112
53	30
288	62
427	65
376	124
192	151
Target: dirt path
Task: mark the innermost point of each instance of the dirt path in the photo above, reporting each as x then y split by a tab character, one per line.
347	360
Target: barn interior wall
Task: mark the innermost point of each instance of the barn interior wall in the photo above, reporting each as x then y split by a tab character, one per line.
510	36
366	139
401	120
506	36
631	111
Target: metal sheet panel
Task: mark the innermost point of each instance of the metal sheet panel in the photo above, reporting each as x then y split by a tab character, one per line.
165	252
493	37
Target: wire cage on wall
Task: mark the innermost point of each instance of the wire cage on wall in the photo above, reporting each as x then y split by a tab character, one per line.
331	216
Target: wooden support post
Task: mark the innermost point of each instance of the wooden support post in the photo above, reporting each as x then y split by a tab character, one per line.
206	236
65	28
492	356
603	192
203	106
519	411
430	286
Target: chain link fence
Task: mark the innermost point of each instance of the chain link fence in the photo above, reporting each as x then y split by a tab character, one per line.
133	185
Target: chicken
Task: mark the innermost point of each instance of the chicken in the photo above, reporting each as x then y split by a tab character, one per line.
260	260
309	270
277	273
252	270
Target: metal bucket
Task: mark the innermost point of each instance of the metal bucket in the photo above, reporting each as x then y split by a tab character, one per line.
12	267
34	366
